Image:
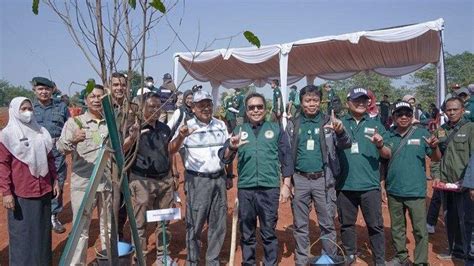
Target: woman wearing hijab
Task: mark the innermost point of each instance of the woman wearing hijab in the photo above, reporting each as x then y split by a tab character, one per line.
28	180
372	108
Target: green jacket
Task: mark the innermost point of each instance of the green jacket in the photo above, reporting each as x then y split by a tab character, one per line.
259	165
457	152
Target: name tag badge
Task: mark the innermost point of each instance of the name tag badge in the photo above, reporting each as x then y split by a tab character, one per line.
369	130
355	148
414	142
310	145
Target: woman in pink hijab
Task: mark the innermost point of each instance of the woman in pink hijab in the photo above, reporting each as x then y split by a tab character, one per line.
372	108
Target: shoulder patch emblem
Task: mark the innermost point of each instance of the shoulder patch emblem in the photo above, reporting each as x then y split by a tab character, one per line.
244	135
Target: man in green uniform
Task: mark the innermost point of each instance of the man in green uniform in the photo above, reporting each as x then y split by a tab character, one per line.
330	95
406	183
359	183
314	138
277	104
293	101
230	115
385	111
457	146
238	106
263	149
465	94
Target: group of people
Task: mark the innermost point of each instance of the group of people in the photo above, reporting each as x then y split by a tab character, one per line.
337	164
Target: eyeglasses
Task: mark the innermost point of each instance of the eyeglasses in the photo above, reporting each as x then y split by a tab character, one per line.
259	107
407	114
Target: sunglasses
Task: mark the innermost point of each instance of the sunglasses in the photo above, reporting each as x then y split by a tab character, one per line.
407	114
259	107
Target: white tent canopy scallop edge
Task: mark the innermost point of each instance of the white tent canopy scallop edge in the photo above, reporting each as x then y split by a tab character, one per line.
391	52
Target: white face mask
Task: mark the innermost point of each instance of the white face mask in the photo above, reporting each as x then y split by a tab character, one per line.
149	84
25	116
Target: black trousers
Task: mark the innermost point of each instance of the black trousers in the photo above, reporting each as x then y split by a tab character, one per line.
459	217
435	205
29	230
262	204
370	203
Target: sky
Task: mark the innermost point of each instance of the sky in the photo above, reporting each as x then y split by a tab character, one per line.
40	45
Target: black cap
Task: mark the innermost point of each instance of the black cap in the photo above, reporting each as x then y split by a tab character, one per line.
357	92
401	105
293	87
196	88
167	76
37	81
149	78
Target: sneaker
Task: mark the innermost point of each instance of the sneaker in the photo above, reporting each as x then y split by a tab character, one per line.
57	227
430	228
350	259
160	260
447	256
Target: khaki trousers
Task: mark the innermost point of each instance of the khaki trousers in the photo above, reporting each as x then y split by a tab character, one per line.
151	194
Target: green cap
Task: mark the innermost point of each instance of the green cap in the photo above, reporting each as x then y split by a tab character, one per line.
36	81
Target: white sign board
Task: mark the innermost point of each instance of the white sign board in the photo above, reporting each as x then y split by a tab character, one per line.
163	215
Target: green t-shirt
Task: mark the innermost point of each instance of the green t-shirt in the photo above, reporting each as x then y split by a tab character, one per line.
276	96
360	163
469	109
238	103
309	158
292	98
228	104
406	176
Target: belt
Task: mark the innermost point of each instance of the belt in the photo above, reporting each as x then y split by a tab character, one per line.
207	175
143	176
312	175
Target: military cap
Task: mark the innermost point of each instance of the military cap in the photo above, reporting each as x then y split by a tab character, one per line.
37	81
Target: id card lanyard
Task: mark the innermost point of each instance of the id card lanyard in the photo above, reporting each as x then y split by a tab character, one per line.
355	144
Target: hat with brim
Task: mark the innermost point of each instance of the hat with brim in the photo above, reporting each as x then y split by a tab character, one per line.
462	91
38	81
201	96
403	105
408	97
357	92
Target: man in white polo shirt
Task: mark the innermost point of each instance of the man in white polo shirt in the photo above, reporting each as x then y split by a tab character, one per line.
200	140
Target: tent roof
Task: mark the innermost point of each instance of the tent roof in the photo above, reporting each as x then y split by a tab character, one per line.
392	52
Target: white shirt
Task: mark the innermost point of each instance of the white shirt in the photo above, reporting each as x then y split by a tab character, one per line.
201	147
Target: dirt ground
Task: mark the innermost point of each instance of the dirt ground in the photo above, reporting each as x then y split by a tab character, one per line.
438	242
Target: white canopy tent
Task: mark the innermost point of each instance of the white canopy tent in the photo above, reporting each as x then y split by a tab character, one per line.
390	52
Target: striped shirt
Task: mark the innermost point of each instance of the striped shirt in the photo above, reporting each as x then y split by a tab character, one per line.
201	147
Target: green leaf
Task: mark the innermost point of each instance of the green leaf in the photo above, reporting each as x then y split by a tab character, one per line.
90	85
35	6
252	38
158	5
132	3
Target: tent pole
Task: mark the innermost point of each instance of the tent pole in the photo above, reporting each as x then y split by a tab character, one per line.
441	72
175	69
284	83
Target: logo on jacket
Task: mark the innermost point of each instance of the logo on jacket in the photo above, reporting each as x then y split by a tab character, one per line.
269	134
